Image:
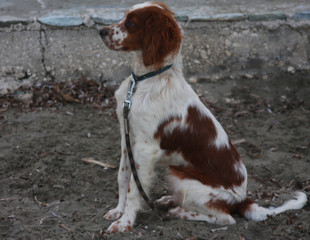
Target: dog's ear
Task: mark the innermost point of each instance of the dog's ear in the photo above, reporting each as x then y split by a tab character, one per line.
162	37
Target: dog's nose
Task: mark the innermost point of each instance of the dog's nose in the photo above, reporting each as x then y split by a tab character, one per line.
103	33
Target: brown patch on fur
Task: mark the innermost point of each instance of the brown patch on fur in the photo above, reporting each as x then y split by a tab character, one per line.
161	128
240	208
210	165
162	37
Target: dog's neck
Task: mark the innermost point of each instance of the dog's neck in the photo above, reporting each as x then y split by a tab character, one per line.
139	68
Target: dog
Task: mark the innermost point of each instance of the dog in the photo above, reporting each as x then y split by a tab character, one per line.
169	125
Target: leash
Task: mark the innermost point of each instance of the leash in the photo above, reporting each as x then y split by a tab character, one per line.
126	109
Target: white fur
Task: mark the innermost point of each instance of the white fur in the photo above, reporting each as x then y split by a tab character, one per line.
155	101
258	213
144	5
119	34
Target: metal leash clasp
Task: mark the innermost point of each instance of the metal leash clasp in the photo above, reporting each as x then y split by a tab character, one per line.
130	91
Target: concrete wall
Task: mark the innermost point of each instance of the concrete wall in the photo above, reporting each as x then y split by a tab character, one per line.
211	50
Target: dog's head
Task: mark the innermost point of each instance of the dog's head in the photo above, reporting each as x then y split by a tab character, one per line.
148	27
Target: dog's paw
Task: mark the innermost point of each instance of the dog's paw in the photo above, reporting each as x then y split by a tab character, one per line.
113	214
121	225
166	201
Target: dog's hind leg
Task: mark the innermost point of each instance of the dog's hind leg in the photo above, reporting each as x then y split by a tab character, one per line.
167	201
200	202
214	217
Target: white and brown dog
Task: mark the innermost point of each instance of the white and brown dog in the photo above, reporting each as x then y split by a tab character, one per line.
169	125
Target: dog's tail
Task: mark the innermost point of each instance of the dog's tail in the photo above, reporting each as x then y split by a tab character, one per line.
253	211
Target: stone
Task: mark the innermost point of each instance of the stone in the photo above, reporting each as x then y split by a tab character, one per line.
291	69
227	43
108	17
21	75
266	17
193	79
301	15
48	69
24	96
248	76
203	55
7	21
218	17
61	20
88	22
182	15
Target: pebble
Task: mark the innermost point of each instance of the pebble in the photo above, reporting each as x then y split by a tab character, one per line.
48	69
291	69
228	53
248	76
203	55
227	43
193	79
87	21
24	96
21	75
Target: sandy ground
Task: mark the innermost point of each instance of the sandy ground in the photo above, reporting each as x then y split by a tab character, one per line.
48	192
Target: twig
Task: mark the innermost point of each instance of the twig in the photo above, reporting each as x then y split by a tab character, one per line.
40	203
8	199
305	188
219	229
236	142
90	160
242	112
66	227
55	214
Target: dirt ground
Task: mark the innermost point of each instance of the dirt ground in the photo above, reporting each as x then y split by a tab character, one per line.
48	192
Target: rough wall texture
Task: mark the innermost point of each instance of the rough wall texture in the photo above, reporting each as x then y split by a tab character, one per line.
211	50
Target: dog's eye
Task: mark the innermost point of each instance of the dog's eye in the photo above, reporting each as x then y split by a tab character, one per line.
130	24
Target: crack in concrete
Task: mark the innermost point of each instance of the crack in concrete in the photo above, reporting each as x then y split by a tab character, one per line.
44	44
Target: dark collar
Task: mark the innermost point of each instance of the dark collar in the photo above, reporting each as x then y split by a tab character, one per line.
150	74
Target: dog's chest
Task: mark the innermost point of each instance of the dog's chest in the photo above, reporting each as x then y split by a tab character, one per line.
144	113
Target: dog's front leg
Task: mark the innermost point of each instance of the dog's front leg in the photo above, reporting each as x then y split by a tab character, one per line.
145	169
123	184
